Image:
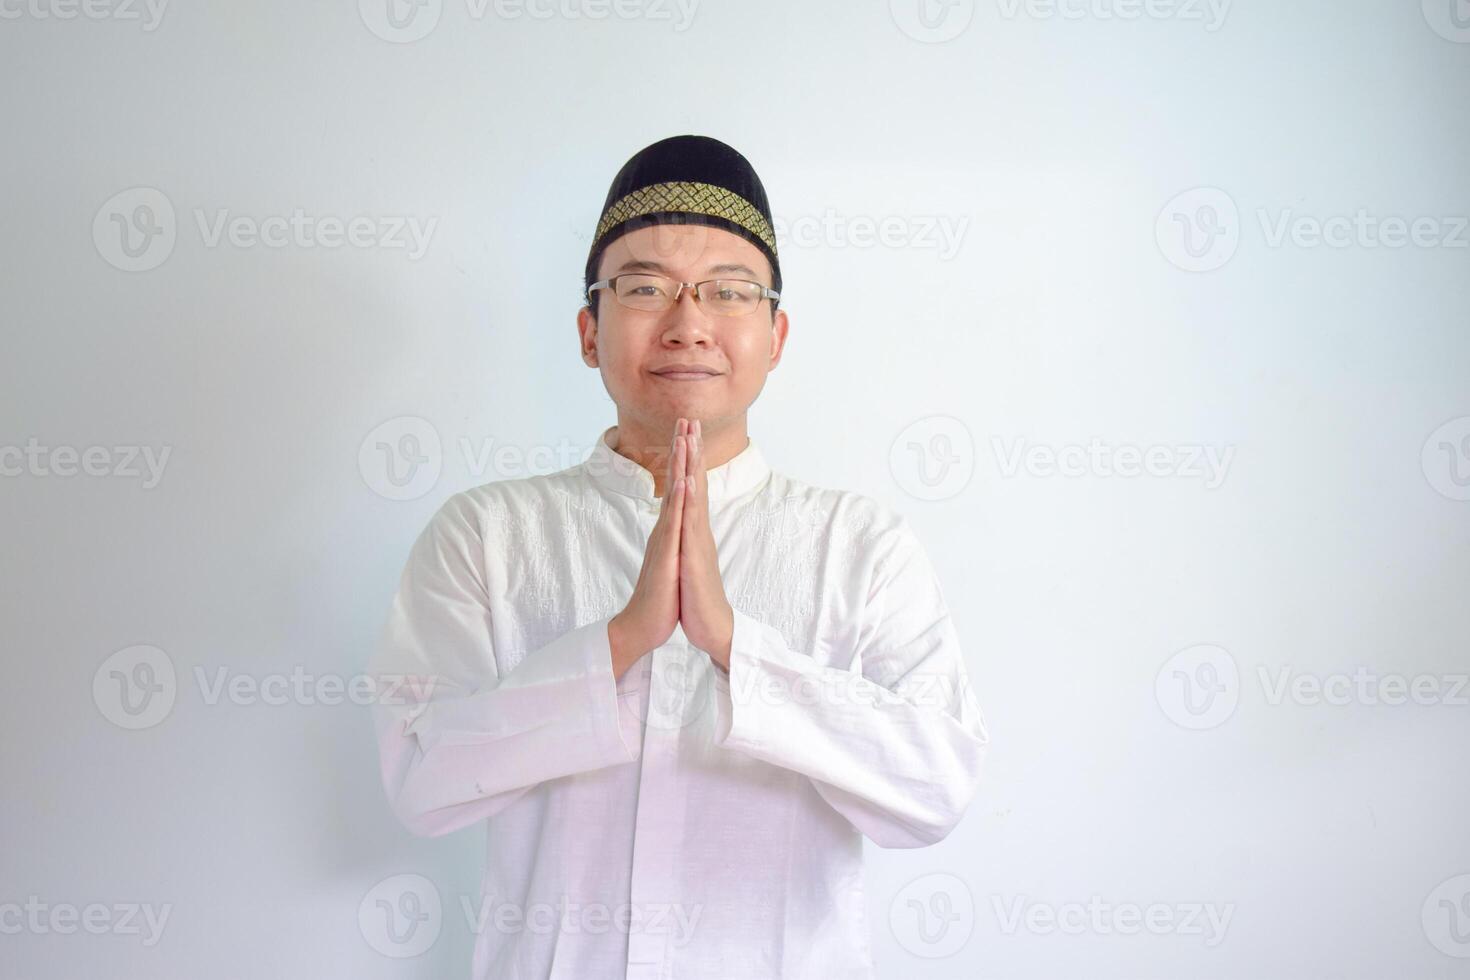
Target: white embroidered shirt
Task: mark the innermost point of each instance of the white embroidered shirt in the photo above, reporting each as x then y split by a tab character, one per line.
678	823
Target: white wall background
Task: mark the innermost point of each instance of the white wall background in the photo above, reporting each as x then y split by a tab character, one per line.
1066	307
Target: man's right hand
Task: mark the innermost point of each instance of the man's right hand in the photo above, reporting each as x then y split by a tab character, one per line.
652	612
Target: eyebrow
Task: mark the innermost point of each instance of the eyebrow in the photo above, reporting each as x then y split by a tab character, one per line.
641	265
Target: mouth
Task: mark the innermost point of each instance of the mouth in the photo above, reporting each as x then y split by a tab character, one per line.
685	375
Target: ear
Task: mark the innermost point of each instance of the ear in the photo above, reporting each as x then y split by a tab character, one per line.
587	332
779	327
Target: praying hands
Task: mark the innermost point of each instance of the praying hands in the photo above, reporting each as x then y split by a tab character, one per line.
680	580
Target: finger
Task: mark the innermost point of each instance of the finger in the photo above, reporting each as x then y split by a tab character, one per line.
655	552
689	456
673	516
699	489
676	469
681	455
676	522
688	485
688	531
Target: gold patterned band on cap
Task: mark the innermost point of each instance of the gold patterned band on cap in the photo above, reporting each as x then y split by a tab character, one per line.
691	196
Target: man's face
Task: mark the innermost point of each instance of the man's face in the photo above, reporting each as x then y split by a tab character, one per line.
631	347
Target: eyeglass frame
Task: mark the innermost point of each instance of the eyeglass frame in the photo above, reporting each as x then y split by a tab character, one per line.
767	293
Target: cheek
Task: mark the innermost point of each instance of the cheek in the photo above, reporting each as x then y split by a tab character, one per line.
749	352
622	362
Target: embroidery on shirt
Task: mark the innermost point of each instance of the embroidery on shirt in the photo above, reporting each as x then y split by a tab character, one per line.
584	516
789	536
801	542
549	546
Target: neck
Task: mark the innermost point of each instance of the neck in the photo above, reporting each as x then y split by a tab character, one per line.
648	443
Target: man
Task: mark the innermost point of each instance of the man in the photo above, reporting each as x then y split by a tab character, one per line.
678	687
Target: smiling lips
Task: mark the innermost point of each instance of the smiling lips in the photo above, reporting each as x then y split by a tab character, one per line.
686	372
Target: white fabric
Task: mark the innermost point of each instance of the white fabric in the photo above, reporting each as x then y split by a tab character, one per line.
682	823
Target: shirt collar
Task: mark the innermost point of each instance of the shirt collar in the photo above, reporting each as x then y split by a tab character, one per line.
746	470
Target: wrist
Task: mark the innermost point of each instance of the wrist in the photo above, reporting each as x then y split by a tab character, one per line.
720	651
617	642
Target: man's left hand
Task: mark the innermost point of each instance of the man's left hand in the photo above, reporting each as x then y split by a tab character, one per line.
704	612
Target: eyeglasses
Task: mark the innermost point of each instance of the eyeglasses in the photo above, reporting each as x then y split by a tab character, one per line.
654	294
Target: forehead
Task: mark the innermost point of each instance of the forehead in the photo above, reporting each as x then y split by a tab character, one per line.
684	250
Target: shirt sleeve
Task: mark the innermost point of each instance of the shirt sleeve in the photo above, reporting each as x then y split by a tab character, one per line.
896	748
457	739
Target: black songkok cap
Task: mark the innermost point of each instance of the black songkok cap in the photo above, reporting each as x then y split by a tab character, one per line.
686	180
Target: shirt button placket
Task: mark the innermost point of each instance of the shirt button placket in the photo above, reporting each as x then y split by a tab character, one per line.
659	824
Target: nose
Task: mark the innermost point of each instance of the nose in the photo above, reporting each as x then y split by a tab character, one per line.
685	323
